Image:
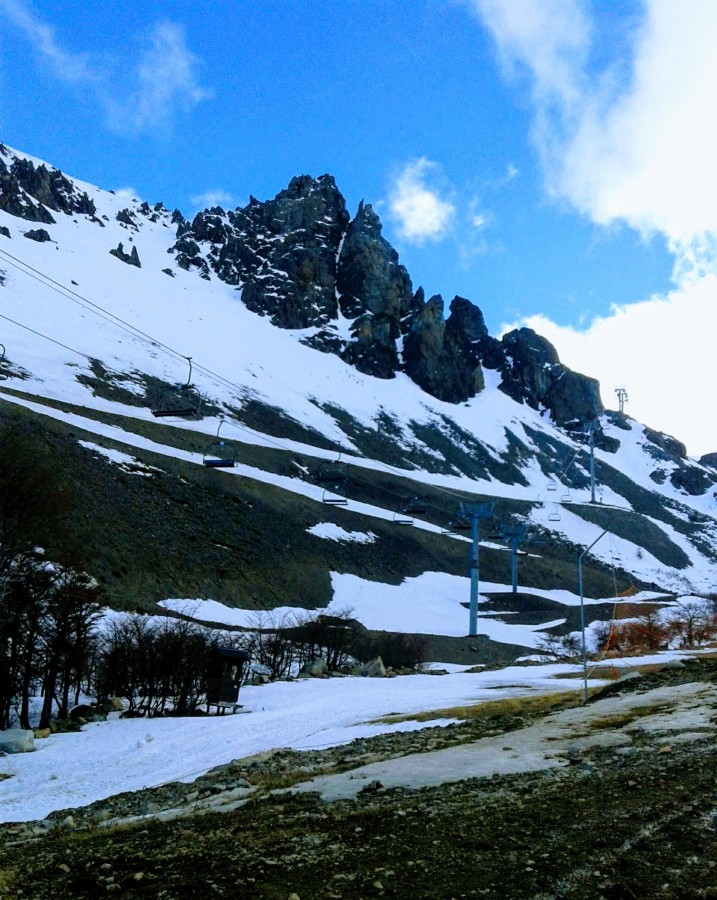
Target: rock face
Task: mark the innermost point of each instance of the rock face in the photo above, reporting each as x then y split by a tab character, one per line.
532	373
375	292
283	252
441	355
131	259
30	191
37	234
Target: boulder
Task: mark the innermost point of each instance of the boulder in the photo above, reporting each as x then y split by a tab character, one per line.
314	668
4	231
17	740
709	460
82	711
373	669
38	234
692	480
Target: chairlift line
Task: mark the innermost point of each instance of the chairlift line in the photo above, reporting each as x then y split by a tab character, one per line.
74	297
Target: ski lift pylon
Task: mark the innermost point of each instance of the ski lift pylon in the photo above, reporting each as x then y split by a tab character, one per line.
183	401
219	454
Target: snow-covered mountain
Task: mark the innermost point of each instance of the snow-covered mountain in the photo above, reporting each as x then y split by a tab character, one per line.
332	380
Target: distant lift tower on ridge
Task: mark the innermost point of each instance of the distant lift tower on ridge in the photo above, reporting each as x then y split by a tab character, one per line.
622	398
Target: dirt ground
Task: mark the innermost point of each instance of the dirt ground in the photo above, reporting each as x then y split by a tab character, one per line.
635	820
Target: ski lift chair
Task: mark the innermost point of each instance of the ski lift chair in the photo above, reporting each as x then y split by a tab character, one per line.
554	514
183	401
332	471
400	518
3	376
415	507
219	454
333	499
460	524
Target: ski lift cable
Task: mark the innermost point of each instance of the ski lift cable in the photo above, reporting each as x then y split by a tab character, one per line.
45	336
79	299
85	303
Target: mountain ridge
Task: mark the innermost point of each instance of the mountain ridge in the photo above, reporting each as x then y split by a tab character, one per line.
104	340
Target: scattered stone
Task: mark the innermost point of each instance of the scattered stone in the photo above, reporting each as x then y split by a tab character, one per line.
38	234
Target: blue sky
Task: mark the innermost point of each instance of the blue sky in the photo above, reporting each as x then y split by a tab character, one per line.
525	154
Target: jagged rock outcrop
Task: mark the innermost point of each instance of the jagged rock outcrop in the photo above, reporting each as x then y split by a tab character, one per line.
710	460
4	231
441	355
375	291
29	191
126	217
532	373
281	252
37	234
131	259
300	260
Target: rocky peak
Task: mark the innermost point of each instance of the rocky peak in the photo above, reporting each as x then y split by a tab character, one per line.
532	373
281	252
29	191
301	260
375	292
441	355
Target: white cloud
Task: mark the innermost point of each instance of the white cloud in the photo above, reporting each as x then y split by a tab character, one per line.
67	66
550	39
140	94
210	198
636	147
166	78
632	141
662	350
418	210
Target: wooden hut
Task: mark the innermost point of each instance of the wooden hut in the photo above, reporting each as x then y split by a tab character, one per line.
224	675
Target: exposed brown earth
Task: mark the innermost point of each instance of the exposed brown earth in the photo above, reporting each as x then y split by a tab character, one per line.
636	820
